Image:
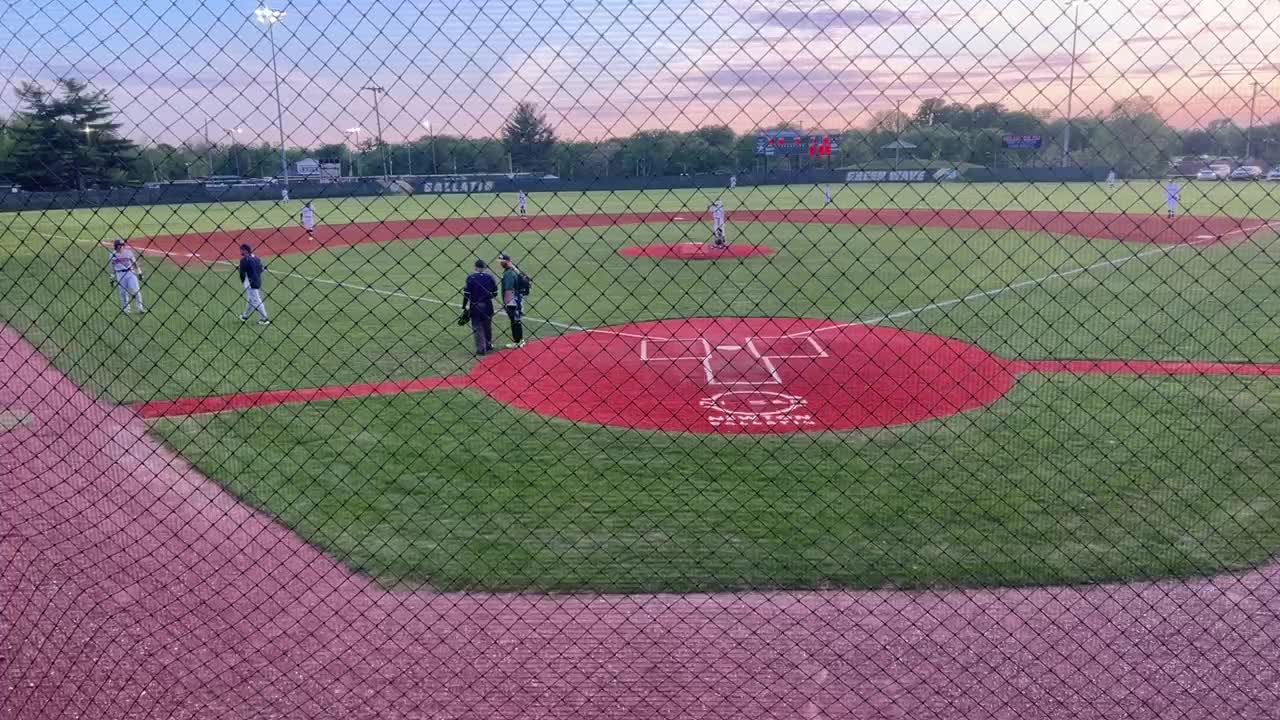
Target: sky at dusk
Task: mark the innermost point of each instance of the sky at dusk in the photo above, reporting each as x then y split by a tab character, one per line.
602	68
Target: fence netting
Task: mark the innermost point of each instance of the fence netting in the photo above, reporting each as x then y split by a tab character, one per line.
667	358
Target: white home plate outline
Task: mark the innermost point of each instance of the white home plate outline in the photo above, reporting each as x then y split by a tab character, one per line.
748	345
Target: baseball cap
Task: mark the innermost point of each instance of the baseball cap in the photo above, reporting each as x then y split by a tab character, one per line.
480	264
118	243
505	256
246	247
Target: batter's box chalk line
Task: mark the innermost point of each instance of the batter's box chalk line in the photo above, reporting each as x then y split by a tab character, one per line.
733	363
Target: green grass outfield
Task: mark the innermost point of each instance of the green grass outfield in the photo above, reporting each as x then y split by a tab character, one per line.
1065	479
1247	200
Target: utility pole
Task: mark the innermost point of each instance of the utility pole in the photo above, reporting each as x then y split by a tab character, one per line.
377	90
1248	133
1071	85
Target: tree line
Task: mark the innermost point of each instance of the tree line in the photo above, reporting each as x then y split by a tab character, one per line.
66	138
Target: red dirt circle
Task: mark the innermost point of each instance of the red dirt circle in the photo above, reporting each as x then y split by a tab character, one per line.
746	375
694	251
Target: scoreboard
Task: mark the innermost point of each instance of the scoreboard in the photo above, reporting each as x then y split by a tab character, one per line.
790	142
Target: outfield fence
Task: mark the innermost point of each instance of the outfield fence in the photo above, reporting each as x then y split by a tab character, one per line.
176	194
583	359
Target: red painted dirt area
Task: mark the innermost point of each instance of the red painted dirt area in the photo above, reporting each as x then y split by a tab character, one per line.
695	251
222	244
745	375
133	587
732	375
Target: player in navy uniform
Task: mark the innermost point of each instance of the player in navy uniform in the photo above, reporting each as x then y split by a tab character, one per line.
251	276
477	306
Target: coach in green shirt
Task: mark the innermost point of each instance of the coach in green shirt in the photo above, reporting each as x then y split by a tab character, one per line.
512	299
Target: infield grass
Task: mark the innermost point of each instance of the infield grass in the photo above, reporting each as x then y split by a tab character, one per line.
1065	480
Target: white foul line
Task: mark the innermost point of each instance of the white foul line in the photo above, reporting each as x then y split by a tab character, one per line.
867	321
1115	262
327	281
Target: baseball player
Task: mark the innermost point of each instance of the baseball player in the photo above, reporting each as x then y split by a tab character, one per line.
511	299
733	181
127	274
309	219
251	275
1172	193
826	194
1111	178
522	203
717	225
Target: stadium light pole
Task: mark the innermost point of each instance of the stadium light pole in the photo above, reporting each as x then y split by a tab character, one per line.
231	133
1071	82
1248	133
269	18
355	157
427	124
378	90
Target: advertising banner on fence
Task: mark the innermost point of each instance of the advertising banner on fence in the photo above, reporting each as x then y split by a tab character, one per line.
855	176
457	185
1021	142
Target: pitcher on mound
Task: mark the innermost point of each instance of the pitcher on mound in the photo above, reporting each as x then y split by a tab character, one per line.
717	226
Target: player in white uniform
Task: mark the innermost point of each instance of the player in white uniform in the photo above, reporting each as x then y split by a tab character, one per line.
128	275
1171	195
1111	179
309	219
826	193
733	181
717	225
522	203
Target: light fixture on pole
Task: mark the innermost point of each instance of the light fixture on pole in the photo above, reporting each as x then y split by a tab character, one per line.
378	90
1071	83
269	18
355	157
427	124
231	133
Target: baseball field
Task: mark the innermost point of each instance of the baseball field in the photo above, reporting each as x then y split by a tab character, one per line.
917	386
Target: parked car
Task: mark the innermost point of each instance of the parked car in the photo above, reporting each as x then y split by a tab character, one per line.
1247	172
1274	175
1222	169
1207	174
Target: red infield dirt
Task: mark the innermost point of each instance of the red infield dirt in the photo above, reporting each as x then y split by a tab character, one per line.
222	244
133	587
694	251
732	375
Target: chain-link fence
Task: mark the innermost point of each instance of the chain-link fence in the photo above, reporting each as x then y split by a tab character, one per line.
667	358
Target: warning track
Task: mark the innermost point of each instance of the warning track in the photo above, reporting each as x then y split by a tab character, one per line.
131	586
222	244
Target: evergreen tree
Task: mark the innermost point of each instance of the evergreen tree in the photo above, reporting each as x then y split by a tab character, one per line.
67	140
528	137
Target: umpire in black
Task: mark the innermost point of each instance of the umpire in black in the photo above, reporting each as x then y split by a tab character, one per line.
477	306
